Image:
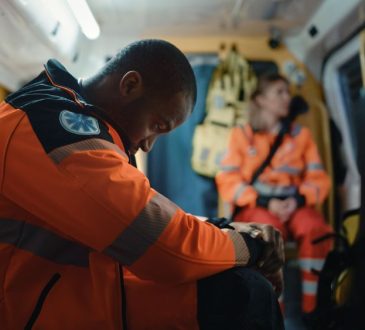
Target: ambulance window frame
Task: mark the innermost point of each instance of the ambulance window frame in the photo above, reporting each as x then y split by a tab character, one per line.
336	103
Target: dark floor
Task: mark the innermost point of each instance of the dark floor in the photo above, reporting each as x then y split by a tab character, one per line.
292	297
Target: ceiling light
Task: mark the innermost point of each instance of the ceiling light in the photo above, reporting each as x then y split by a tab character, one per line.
85	18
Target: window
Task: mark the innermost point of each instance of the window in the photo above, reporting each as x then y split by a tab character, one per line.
354	99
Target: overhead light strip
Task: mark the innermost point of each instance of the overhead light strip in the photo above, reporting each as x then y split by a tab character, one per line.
85	18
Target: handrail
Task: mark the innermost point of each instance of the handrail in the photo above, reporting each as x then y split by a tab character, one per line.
327	155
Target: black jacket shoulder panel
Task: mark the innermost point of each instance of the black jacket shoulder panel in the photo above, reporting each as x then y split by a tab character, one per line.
56	118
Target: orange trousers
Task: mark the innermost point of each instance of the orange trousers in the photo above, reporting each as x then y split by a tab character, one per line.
305	225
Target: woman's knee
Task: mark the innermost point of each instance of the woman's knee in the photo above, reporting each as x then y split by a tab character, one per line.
308	221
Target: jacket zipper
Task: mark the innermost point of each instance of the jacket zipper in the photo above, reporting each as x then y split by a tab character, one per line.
42	297
124	299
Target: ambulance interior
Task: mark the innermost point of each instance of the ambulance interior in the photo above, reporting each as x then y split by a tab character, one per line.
319	45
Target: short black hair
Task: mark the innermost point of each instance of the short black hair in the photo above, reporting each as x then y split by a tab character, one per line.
164	68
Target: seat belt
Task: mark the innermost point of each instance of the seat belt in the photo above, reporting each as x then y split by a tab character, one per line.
279	139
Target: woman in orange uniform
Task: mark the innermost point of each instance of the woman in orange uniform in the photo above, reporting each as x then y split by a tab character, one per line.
289	189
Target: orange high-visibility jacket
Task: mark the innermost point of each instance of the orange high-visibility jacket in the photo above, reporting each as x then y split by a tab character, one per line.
73	211
295	169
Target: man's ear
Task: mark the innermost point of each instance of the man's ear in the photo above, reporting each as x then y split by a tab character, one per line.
131	84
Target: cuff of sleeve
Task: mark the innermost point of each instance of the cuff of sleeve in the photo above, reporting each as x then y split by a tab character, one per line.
255	247
220	222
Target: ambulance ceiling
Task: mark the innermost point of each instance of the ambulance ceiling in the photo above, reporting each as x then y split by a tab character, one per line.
34	30
202	17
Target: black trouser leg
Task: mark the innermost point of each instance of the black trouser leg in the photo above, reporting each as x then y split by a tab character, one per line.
238	299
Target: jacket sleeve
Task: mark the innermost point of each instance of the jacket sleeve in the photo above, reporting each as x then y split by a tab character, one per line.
232	185
316	183
88	192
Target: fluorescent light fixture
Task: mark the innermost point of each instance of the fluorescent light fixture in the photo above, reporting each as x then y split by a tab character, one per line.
85	18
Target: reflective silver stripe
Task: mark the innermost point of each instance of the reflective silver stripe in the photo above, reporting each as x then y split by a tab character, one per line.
239	191
274	190
309	287
314	167
59	154
308	263
240	247
229	168
144	231
288	169
43	243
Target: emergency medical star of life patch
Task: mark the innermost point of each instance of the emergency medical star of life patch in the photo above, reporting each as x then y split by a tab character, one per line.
80	124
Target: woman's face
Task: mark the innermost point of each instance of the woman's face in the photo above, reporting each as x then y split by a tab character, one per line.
275	99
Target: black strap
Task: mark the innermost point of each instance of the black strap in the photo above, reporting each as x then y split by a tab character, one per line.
273	149
279	139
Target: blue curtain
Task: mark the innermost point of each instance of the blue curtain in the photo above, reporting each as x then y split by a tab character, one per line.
169	163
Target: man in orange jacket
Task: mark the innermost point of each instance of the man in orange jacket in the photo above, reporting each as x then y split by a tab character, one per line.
85	242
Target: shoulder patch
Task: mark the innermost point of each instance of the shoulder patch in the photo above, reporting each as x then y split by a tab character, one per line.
56	128
55	117
78	123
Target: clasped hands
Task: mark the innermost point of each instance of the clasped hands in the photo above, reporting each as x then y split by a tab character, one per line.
272	258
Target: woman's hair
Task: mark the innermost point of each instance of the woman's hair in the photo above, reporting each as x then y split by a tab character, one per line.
255	112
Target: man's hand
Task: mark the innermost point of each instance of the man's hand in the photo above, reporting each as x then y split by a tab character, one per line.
272	258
